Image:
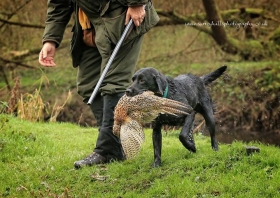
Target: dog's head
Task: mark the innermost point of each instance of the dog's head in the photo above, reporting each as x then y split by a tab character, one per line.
147	79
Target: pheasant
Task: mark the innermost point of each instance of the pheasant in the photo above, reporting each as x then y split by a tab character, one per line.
132	112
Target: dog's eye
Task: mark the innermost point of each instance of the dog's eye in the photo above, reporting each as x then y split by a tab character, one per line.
142	81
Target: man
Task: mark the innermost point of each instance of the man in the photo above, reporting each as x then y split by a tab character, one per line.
98	26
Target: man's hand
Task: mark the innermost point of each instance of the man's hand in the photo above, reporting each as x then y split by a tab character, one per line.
46	56
136	13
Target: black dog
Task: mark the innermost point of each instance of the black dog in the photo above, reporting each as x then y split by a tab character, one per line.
186	88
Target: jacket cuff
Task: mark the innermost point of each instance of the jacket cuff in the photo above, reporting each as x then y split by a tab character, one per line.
50	40
136	3
54	32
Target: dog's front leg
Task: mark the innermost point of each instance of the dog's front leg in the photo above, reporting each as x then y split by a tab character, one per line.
157	143
186	135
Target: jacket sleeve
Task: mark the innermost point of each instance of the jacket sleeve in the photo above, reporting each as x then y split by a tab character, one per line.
135	2
58	15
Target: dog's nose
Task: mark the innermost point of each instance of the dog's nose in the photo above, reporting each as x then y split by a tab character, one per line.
128	92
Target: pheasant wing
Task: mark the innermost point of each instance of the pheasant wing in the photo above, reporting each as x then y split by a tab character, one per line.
145	107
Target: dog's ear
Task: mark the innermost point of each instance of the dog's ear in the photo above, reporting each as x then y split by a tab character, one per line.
161	82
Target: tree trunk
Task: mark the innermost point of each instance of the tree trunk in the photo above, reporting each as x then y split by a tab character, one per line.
248	49
218	31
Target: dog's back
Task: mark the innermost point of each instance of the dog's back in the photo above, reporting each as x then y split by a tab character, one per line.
190	88
206	79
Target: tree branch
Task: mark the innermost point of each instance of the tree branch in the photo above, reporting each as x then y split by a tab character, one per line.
27	25
20	55
176	19
12	14
5	78
18	63
22	24
173	18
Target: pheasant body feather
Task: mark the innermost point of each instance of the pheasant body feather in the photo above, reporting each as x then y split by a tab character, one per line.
132	112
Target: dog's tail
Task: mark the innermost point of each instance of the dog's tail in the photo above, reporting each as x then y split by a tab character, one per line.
208	78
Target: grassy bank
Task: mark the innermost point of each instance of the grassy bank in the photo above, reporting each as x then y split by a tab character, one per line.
37	161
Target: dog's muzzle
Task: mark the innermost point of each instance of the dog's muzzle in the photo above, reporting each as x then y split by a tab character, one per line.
129	92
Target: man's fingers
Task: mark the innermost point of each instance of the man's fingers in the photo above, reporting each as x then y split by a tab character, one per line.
42	55
137	14
47	63
44	52
136	23
50	63
127	18
41	58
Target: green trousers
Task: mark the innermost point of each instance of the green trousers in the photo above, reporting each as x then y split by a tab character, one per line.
120	73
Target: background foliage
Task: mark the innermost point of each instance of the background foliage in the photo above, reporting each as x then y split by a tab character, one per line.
248	96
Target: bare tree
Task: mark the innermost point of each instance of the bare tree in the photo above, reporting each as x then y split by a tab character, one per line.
21	28
218	31
260	40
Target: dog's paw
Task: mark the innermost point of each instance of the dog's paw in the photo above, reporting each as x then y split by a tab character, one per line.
190	145
215	146
191	148
156	164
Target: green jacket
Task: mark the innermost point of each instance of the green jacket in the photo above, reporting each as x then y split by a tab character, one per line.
59	13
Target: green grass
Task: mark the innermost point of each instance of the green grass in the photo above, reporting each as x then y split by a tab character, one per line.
37	161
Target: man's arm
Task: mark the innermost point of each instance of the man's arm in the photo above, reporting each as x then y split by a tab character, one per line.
58	15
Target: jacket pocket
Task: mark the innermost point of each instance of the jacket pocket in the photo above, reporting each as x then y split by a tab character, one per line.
116	25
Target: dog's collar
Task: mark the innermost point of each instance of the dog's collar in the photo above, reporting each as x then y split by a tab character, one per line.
165	92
